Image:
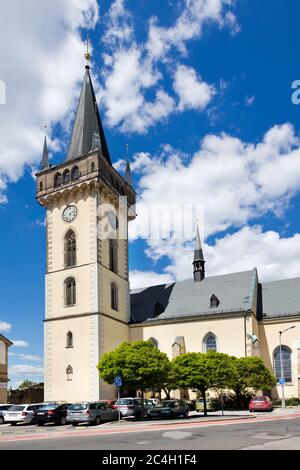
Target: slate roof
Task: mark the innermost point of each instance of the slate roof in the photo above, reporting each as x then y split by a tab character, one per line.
236	293
7	341
88	134
280	298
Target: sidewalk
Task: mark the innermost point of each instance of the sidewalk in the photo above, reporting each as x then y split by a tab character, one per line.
195	417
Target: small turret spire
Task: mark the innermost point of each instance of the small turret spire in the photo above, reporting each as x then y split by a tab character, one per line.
45	159
128	177
199	262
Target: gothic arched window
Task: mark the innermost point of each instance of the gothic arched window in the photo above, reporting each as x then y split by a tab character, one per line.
69	339
69	372
70	249
41	186
214	301
286	363
114	297
70	292
210	343
92	167
75	173
113	256
66	177
57	180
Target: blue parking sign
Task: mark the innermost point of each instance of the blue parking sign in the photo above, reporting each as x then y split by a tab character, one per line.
118	381
282	381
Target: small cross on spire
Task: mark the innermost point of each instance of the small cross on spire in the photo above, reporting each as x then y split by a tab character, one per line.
87	55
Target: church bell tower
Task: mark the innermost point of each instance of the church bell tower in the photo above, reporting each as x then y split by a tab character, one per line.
87	299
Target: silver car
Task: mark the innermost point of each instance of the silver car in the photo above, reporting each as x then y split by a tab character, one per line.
2	409
20	414
91	412
131	407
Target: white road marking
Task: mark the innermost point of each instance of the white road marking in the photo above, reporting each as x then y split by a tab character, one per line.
177	435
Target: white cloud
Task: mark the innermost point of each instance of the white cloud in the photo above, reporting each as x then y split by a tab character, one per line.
46	46
140	279
274	256
26	370
235	181
20	343
193	93
249	100
131	68
28	357
5	327
189	25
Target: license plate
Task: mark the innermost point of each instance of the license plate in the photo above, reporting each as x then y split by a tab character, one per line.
41	414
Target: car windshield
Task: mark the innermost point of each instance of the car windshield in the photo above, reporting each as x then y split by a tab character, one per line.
78	407
259	399
125	402
16	408
166	404
48	407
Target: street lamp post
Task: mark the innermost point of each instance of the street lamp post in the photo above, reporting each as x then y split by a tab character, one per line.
282	378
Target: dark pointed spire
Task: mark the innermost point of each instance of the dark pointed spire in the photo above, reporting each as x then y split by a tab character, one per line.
88	134
199	262
45	159
128	177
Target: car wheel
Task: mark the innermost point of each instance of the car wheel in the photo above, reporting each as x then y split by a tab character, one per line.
74	424
186	414
13	424
40	424
63	421
97	421
1	420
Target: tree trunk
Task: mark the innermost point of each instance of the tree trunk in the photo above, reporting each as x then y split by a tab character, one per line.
143	407
204	401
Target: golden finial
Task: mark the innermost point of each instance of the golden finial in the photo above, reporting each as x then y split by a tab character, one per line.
87	55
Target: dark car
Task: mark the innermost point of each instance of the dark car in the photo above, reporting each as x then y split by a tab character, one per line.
169	409
3	408
51	414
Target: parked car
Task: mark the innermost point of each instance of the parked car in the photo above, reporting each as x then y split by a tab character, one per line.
109	403
153	401
54	413
260	404
20	414
169	409
191	404
3	408
91	412
212	404
131	407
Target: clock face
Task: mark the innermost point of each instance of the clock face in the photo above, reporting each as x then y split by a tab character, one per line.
70	213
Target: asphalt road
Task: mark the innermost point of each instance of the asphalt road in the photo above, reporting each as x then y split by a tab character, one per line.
277	433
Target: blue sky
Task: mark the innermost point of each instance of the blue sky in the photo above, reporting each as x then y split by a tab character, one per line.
202	95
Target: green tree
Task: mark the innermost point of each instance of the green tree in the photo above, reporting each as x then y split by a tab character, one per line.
202	372
250	375
141	365
26	384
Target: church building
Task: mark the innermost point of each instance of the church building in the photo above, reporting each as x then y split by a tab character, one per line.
89	309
